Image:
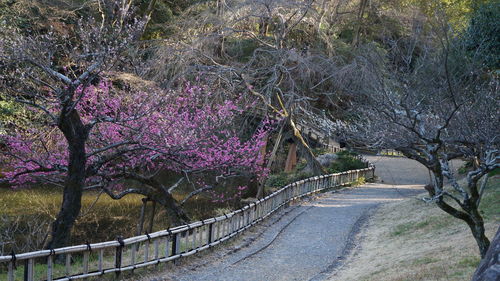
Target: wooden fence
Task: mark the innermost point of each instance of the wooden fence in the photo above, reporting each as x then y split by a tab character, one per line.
90	260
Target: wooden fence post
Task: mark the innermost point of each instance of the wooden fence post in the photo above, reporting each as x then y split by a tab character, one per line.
12	266
140	224
210	231
176	244
118	255
151	219
167	245
28	270
68	265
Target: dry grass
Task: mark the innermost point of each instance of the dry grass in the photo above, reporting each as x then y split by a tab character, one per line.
101	217
411	240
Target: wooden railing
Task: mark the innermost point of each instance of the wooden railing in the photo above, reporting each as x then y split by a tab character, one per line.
83	261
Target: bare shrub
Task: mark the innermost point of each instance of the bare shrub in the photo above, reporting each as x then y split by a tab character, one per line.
23	233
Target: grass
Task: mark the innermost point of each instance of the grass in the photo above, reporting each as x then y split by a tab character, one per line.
23	213
358	182
424	260
101	217
411	240
404	228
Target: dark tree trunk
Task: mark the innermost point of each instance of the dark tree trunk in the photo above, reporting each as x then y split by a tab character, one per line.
272	157
469	215
477	228
219	48
473	220
488	269
159	194
359	23
76	136
469	211
472	207
176	215
482	241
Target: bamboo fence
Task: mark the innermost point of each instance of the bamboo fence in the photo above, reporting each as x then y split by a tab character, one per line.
91	260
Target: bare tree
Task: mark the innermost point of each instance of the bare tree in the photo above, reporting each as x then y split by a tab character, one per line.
439	108
280	71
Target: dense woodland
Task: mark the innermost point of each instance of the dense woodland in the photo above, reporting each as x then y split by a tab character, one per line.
195	104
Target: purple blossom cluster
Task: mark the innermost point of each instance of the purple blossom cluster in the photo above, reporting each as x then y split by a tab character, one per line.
188	130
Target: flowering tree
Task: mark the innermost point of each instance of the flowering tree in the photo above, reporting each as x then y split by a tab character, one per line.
51	73
84	135
134	136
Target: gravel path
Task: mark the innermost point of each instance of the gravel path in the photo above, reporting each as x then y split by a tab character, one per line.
312	238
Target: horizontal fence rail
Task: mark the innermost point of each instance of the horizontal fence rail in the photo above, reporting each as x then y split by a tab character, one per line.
90	260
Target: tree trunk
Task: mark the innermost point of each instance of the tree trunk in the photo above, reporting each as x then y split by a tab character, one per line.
176	215
482	241
469	212
471	216
140	224
321	15
263	26
472	207
357	30
488	269
312	164
291	159
160	194
473	220
260	190
219	48
152	217
76	135
477	228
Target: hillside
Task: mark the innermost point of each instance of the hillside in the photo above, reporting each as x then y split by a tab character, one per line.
413	240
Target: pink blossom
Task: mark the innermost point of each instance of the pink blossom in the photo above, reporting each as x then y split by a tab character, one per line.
185	130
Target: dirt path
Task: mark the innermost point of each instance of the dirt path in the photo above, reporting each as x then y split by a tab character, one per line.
313	238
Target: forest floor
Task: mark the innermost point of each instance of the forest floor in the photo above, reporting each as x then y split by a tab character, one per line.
309	241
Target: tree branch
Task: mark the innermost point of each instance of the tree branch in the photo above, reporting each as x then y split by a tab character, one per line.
198	191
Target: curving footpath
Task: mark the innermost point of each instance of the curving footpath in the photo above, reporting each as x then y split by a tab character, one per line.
311	239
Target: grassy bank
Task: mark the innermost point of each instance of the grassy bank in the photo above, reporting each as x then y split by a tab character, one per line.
411	240
26	215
